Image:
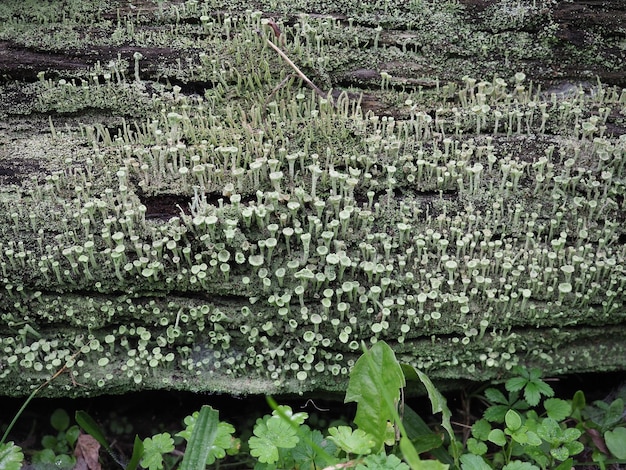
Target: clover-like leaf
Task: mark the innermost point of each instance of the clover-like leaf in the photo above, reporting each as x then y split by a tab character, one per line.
270	433
513	420
352	441
497	436
382	462
153	449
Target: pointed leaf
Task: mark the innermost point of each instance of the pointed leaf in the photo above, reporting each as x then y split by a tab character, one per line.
495	396
201	440
375	374
133	463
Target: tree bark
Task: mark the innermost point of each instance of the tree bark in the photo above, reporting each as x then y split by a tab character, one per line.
235	198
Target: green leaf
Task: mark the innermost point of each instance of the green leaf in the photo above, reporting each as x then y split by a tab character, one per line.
382	462
202	440
560	453
557	409
11	456
427	442
153	449
222	443
306	453
91	427
513	420
352	441
519	465
438	403
270	433
614	413
495	396
578	405
409	453
566	465
480	429
515	384
133	463
416	427
476	447
550	431
497	437
473	462
616	442
375	375
60	420
496	413
532	394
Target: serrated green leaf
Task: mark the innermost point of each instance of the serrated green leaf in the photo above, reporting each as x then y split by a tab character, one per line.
375	375
532	394
480	429
271	433
153	449
616	442
495	396
495	413
515	384
286	411
513	420
11	456
352	441
473	462
557	409
438	403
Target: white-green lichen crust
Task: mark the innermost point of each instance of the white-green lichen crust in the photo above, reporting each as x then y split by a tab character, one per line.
250	239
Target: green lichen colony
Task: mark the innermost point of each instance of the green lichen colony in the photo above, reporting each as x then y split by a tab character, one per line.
246	234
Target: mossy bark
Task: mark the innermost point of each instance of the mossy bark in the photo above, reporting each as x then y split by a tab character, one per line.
178	210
